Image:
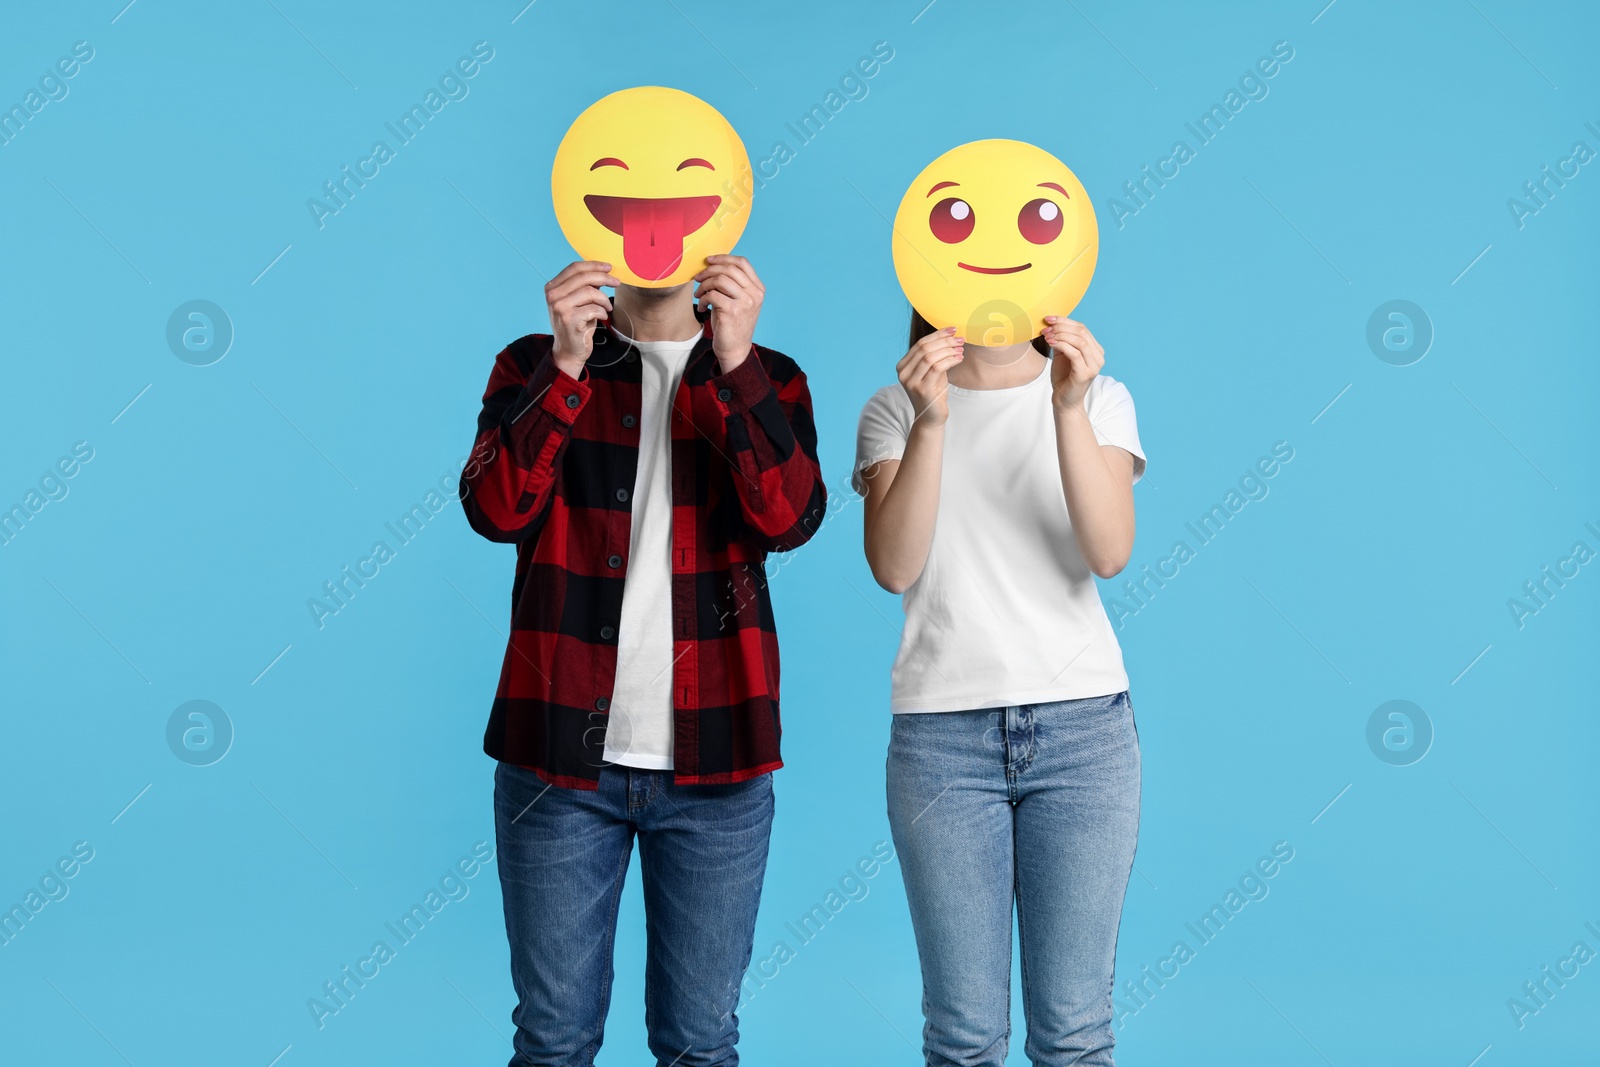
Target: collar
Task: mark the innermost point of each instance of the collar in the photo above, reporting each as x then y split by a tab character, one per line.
702	315
702	348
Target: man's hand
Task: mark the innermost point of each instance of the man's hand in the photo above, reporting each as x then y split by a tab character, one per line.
729	284
576	304
924	374
1078	358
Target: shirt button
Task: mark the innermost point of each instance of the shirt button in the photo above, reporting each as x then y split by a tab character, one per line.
572	400
622	495
613	562
629	421
723	395
607	632
601	704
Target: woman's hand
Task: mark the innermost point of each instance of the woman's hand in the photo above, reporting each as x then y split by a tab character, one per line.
924	373
576	304
1078	358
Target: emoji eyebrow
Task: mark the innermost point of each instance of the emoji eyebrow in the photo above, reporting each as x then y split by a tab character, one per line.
608	161
1057	188
941	185
695	161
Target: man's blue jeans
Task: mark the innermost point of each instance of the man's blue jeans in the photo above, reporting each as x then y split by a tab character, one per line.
563	854
1036	806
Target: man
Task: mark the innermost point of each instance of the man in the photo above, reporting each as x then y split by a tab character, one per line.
644	462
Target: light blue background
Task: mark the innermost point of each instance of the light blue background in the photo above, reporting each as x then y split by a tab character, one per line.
1234	305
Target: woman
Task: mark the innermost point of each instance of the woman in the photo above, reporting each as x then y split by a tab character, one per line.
997	482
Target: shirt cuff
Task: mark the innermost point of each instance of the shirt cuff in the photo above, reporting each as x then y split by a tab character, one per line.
743	387
557	392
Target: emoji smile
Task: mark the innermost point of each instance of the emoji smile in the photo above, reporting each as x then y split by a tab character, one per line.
652	228
993	270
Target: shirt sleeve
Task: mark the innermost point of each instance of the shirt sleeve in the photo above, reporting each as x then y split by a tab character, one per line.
881	435
1110	410
529	407
758	416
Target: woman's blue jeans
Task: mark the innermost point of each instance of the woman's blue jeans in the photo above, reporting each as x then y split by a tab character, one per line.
1036	806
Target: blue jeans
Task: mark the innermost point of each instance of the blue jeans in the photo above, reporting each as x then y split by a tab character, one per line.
1036	806
563	854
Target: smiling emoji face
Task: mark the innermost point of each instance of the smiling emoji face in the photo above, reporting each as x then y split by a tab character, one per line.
652	181
992	237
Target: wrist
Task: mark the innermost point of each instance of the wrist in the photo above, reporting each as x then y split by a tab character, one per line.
731	360
1065	407
571	366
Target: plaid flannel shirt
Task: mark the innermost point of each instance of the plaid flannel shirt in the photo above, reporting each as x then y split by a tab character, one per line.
553	470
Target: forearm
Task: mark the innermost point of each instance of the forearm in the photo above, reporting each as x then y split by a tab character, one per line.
901	528
762	428
1099	497
522	432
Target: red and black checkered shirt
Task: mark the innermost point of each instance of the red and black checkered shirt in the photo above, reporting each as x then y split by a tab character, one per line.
553	472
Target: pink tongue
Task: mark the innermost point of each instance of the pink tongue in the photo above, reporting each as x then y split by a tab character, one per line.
652	237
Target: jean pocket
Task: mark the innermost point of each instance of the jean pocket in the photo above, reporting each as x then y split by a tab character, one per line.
1107	715
1091	705
515	789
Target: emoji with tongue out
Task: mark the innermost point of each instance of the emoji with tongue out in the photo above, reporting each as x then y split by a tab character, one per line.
652	181
991	237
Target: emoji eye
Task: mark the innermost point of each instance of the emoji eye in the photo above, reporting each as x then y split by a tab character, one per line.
1040	221
695	162
608	161
951	220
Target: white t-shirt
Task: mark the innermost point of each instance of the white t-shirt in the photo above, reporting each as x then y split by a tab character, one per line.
639	726
1006	610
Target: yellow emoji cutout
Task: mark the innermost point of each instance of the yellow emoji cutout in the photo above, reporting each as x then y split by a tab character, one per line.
992	237
652	181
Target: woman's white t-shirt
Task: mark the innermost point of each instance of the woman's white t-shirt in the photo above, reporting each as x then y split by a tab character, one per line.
1006	610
